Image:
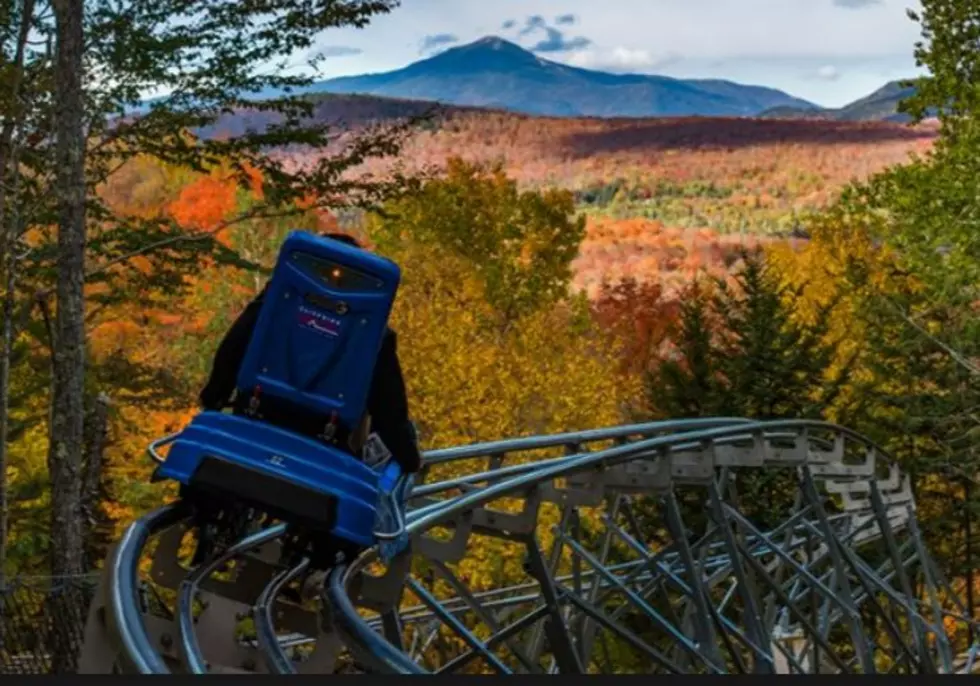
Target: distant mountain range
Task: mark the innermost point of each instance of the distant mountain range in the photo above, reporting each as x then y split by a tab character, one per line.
496	73
882	105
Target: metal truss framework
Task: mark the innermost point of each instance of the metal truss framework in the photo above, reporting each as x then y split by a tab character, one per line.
692	546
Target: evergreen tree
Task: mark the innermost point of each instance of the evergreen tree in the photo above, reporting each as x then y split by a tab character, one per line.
741	350
922	409
685	385
923	384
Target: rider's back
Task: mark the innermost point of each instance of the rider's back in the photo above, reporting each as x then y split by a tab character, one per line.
386	402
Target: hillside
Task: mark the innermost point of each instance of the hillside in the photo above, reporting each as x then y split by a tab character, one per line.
698	184
693	181
882	105
493	72
578	153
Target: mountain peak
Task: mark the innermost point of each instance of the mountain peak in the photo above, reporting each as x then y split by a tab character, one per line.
495	43
495	72
488	53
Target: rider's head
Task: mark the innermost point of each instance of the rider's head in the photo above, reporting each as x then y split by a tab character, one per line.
350	240
343	238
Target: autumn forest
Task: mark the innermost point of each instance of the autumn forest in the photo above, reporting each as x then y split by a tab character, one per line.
558	274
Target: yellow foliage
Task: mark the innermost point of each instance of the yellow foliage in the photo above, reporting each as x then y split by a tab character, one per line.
840	241
470	381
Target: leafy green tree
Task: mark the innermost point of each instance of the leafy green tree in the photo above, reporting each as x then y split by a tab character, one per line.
948	50
916	299
77	111
520	243
930	209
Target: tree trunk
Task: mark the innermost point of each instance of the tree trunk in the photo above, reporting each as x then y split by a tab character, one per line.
14	116
9	233
98	428
67	421
6	353
968	535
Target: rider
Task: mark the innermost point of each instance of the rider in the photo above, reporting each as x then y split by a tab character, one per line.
387	405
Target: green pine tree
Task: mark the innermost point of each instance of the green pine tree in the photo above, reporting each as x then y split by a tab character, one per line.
684	386
742	351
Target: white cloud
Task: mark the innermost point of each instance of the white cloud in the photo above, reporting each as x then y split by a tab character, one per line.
856	4
620	59
828	72
779	43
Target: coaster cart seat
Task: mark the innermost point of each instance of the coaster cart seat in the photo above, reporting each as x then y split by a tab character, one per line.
314	346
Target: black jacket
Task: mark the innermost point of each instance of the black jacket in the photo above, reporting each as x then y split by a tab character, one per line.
387	401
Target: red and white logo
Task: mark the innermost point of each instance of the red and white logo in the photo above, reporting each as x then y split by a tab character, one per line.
319	322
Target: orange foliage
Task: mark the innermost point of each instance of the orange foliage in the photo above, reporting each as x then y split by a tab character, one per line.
141	264
254	181
307	201
649	252
204	204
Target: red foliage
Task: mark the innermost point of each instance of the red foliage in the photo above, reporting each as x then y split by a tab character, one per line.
640	316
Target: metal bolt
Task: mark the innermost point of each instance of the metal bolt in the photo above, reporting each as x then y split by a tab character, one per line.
167	641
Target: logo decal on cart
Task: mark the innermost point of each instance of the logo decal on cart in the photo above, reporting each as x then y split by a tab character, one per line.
318	322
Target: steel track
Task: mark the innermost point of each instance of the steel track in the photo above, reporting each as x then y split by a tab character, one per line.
710	546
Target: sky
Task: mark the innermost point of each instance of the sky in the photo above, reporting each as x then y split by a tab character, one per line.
829	52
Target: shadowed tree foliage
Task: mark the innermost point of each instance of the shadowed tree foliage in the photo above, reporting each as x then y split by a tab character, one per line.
76	79
922	384
741	350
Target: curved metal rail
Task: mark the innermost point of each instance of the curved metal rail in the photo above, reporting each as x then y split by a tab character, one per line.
275	657
190	650
602	564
